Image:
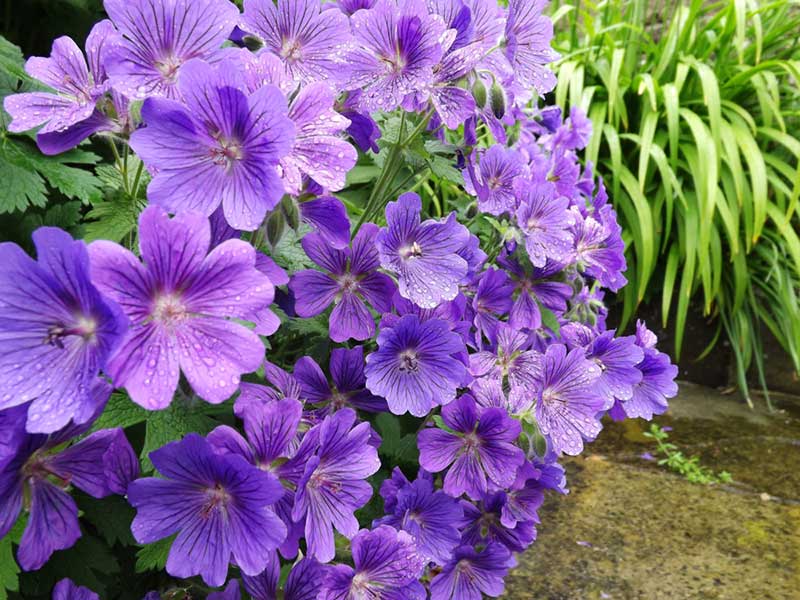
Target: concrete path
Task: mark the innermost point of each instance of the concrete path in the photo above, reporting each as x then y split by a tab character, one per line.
632	529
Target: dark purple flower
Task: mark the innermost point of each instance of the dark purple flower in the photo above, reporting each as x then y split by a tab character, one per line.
333	485
56	330
70	115
218	504
231	592
352	277
37	471
397	48
180	304
471	573
493	298
319	151
160	39
479	446
363	128
416	366
545	221
568	401
657	382
423	255
303	583
67	590
528	35
493	183
348	385
523	499
221	147
329	217
310	42
576	131
485	524
351	6
386	566
429	516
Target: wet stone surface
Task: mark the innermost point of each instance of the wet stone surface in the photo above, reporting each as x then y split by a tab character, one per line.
632	529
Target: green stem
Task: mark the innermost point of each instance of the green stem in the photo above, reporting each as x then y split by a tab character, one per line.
136	178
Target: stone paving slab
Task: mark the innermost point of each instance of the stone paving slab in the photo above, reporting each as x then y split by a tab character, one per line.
630	529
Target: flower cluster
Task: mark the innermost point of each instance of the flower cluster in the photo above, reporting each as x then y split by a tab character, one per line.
479	333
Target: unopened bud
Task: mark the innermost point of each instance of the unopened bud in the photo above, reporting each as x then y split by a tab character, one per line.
291	212
479	93
252	43
498	100
276	223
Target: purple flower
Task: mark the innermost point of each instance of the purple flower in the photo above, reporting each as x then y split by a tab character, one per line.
479	446
67	590
231	592
180	304
657	382
333	485
568	404
160	39
575	132
471	573
599	248
618	359
37	470
416	366
319	150
423	255
351	6
545	221
352	277
348	387
56	331
485	524
329	217
218	504
221	147
70	115
513	362
523	500
528	35
303	583
493	184
397	48
429	516
310	42
492	299
386	565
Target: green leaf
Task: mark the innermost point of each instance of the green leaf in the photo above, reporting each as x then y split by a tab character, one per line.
288	252
9	571
170	424
394	445
437	419
120	411
153	557
444	168
549	318
111	517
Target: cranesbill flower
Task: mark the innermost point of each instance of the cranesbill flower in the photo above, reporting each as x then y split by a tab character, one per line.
230	592
398	44
599	248
523	499
160	40
218	504
70	115
429	516
386	565
424	255
180	303
319	151
528	35
348	385
37	473
67	590
618	359
221	147
493	181
352	277
657	382
479	446
535	285
568	403
310	42
492	299
545	221
333	485
416	366
303	583
471	573
328	216
484	524
56	330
